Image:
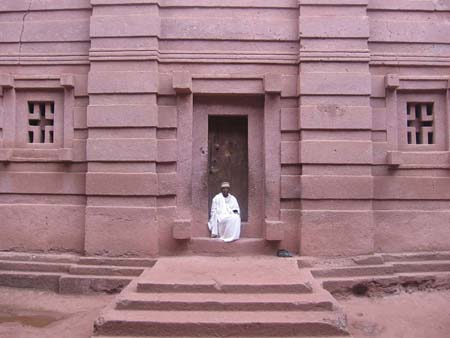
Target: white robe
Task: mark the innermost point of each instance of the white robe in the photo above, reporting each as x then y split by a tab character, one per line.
224	223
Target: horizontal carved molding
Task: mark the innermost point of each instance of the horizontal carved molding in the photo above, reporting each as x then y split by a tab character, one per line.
402	5
409	60
201	3
335	56
333	2
222	57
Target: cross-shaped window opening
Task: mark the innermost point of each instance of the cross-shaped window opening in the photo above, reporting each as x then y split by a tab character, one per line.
41	122
420	123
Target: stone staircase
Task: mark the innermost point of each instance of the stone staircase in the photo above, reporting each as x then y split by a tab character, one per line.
386	273
66	273
217	247
223	296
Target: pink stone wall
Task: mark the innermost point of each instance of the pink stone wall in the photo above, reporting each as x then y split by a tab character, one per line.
336	175
42	186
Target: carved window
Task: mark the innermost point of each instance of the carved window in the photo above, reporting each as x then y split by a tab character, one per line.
38	118
420	123
41	117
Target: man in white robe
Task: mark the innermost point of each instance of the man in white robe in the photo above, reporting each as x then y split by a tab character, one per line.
225	221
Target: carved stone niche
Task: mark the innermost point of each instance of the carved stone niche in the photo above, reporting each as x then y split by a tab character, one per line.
417	121
37	119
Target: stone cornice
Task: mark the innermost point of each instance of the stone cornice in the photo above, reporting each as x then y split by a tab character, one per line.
223	57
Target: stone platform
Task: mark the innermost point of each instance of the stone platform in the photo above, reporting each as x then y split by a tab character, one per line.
223	296
69	273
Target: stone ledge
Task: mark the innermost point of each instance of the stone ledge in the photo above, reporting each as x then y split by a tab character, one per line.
36	155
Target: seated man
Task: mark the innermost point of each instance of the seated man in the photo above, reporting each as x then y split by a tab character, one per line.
225	221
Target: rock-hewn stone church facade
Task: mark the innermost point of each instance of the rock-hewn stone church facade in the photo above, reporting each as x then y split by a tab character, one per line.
330	118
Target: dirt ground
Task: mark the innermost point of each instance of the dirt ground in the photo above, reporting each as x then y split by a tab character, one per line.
415	315
38	314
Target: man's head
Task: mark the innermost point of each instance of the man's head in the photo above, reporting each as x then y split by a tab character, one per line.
225	188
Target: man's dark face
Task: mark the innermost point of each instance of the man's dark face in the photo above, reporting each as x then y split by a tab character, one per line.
225	191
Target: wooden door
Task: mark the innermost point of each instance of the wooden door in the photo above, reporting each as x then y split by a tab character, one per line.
228	158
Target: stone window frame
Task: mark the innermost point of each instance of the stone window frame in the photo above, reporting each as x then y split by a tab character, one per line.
14	147
420	89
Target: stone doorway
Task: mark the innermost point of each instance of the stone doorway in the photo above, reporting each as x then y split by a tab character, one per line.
234	125
228	158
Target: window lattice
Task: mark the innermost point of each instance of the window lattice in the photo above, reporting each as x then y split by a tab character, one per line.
41	122
420	123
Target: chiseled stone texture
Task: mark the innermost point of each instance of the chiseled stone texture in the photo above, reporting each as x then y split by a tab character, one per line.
324	85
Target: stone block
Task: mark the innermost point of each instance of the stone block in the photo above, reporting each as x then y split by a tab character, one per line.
334	116
411	230
274	230
290	186
167	117
289	119
6	80
336	152
126	82
336	233
336	187
334	27
182	229
35	220
167	150
394	158
167	184
116	231
67	81
335	84
42	183
13	5
122	115
124	26
289	152
30	280
182	82
121	184
92	284
273	83
421	30
391	81
228	28
10	32
412	188
126	149
56	30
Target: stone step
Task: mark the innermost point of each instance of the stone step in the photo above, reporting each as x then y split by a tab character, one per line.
104	270
258	274
225	302
34	266
418	256
220	323
244	246
366	270
30	280
111	261
327	336
45	258
345	285
207	287
423	266
72	284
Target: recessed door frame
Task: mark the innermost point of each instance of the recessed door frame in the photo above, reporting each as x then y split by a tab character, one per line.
268	86
228	106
